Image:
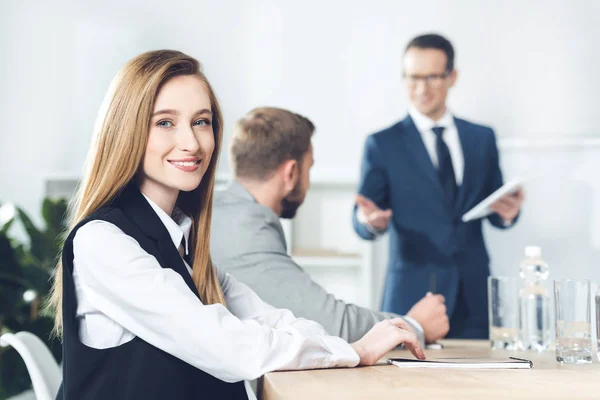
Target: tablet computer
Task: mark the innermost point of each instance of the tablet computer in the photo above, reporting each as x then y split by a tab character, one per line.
483	208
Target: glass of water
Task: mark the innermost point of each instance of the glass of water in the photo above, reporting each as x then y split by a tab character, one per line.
503	303
573	321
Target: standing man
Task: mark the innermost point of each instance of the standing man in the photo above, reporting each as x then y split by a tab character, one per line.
418	177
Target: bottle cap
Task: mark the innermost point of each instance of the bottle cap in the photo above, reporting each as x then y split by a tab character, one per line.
533	251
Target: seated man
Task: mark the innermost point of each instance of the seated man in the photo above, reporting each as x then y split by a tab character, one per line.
272	155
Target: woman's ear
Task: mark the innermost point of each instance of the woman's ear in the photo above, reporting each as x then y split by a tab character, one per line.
290	174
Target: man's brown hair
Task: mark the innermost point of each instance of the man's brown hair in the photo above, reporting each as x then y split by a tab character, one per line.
265	138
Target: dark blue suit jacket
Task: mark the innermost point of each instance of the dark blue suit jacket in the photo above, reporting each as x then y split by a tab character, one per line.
426	233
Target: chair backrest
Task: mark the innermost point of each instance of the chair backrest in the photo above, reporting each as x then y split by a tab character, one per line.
44	371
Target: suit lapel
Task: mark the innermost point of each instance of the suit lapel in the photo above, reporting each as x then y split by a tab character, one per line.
417	149
419	152
141	213
173	260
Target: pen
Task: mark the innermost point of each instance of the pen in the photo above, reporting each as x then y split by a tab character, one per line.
432	283
523	360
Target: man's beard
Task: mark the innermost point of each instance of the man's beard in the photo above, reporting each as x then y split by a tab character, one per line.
291	203
289	208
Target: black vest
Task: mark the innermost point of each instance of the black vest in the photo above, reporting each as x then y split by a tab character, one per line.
136	369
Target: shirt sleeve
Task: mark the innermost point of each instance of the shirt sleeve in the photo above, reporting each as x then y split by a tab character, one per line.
244	303
129	286
274	276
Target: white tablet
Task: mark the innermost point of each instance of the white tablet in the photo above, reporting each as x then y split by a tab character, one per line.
483	208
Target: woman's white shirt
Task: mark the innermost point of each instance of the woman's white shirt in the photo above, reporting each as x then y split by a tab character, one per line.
123	292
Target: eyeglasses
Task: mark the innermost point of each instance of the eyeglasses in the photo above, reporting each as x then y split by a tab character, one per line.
432	80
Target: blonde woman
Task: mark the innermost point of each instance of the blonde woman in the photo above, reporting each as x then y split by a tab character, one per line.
143	312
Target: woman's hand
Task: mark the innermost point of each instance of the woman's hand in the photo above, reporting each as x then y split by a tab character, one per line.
385	336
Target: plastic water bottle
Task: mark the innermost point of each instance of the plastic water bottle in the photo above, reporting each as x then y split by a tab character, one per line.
534	302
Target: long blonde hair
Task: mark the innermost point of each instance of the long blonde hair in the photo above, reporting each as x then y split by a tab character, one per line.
115	158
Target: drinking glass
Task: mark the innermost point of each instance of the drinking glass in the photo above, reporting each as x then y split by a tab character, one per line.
573	321
503	303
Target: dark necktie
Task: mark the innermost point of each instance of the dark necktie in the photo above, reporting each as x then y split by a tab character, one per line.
445	170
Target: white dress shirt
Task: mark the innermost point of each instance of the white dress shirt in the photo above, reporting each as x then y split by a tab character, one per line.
424	126
123	292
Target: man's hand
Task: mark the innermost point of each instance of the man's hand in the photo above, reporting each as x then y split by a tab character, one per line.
382	338
430	313
508	206
369	213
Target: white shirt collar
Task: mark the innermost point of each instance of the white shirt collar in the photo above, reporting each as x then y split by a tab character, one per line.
424	123
178	226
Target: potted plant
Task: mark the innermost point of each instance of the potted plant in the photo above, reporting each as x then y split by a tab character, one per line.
26	271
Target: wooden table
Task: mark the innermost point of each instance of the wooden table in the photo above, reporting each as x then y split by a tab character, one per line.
546	380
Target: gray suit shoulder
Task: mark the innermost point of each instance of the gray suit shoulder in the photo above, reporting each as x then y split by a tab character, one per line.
240	227
245	211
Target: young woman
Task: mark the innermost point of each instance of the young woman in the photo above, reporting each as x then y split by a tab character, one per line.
143	312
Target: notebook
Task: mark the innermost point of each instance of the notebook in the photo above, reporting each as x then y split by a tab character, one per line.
483	208
463	363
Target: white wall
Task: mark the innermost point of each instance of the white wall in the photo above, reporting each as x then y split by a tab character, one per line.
528	68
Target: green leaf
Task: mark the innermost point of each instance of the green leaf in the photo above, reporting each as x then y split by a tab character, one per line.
10	297
35	236
54	212
37	279
6	226
12	284
9	262
7	215
13	280
13	324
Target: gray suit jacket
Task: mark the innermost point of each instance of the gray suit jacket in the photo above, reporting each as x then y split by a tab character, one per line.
248	242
